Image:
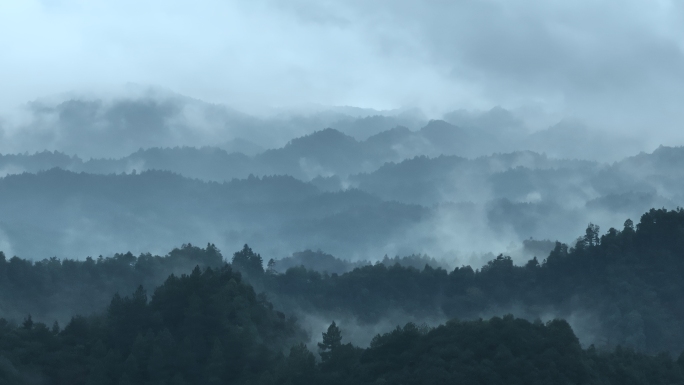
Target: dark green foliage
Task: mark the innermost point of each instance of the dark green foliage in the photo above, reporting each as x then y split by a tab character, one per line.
206	327
332	340
505	351
498	351
210	327
248	261
54	289
628	283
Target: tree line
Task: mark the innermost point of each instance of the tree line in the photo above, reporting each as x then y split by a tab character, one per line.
627	279
211	327
626	283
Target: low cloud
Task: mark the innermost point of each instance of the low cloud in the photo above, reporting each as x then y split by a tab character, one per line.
615	65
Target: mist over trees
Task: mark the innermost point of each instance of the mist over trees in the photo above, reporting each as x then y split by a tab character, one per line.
210	325
341	192
364	246
385	182
616	288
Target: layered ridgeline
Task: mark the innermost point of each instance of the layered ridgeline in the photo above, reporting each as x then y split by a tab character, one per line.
618	288
320	154
61	213
329	152
372	183
447	206
115	127
146	118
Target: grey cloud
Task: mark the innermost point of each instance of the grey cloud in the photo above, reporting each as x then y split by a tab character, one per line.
616	65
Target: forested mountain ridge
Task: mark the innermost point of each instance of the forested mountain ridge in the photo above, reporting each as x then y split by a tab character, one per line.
88	214
512	176
397	209
188	348
211	326
323	262
622	287
207	326
323	152
619	288
55	289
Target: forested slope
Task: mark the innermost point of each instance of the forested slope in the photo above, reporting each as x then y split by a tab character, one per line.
211	327
622	287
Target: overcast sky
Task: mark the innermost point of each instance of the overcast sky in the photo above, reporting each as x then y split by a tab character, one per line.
614	63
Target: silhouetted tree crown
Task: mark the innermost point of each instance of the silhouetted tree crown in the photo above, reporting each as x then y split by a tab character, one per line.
248	261
332	339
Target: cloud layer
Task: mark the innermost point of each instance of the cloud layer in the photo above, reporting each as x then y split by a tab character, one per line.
617	65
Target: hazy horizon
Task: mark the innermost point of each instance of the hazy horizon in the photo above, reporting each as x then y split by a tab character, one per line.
615	66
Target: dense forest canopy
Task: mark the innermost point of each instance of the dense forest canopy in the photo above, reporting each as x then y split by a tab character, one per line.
210	325
620	287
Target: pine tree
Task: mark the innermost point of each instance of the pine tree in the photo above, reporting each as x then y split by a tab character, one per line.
332	339
28	323
248	261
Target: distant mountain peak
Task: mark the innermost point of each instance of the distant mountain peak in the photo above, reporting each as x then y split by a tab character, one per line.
439	124
442	133
327	136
